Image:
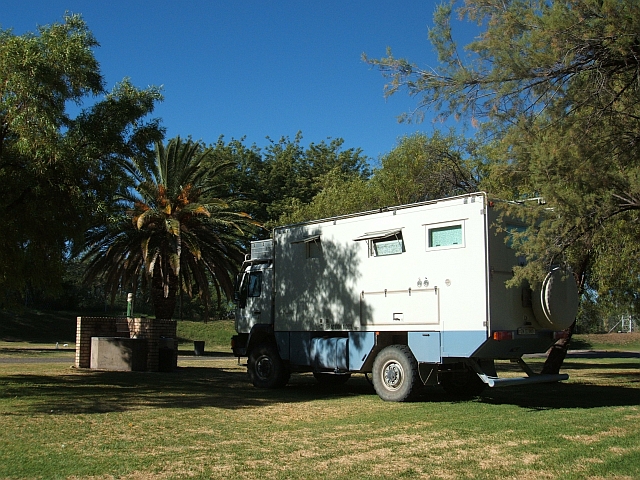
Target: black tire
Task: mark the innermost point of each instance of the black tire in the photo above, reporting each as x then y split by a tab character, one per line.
332	379
462	382
395	374
265	367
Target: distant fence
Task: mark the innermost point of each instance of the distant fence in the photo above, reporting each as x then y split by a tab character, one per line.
158	333
626	324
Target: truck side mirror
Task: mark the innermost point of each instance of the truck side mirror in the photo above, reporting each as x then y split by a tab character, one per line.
239	294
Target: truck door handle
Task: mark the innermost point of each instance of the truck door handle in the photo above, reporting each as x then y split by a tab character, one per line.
256	312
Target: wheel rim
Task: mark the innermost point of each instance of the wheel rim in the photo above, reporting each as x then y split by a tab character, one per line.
392	375
264	367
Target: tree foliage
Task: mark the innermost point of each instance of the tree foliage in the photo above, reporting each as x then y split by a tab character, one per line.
528	57
177	228
418	168
422	167
557	83
339	194
286	173
56	168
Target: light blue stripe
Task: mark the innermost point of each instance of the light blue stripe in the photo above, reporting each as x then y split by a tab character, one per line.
425	346
360	346
462	343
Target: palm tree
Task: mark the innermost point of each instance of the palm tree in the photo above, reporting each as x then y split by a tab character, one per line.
176	226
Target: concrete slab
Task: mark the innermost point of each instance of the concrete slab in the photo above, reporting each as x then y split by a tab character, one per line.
120	354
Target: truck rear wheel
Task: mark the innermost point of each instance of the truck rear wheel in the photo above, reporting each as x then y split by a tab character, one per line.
265	367
395	374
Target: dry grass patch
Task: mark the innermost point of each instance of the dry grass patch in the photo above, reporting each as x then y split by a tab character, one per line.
616	432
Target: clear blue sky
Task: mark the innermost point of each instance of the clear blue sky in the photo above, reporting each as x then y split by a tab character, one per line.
255	68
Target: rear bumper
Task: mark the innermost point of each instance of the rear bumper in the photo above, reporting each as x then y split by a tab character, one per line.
537	378
490	377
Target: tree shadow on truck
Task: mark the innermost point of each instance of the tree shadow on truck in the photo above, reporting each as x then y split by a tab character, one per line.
316	282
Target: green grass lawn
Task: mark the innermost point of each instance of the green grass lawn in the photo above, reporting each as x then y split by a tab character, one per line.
35	332
216	335
607	342
206	421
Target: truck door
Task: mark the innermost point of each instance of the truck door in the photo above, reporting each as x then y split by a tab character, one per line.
254	298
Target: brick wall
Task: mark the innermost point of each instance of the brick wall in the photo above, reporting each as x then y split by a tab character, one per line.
154	331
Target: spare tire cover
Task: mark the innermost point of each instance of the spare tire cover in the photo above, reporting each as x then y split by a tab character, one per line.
556	303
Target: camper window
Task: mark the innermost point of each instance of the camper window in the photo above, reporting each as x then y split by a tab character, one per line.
313	246
386	242
314	249
387	246
445	236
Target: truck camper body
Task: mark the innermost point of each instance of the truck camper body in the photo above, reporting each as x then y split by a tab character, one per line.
407	295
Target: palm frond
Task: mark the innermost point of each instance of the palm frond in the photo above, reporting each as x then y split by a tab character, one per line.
176	227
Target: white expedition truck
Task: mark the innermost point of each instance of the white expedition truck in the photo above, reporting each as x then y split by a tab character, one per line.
409	295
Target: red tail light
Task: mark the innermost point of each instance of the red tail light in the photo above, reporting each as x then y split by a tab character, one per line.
503	335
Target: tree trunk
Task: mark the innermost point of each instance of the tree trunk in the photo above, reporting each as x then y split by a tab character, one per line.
164	305
557	353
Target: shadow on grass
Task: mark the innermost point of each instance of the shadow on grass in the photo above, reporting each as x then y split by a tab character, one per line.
612	379
570	365
563	395
218	353
88	392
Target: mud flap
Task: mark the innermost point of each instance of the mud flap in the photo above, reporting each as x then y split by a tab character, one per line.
428	373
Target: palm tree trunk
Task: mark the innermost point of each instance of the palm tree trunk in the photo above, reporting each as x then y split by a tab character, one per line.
164	305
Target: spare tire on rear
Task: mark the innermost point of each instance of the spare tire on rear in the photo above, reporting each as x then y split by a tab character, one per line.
555	304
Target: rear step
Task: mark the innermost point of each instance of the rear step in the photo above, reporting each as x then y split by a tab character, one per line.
537	378
532	377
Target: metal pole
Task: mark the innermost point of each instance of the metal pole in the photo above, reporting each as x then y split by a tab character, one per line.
129	305
614	327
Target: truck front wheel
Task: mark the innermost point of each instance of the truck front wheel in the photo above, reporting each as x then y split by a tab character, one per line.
265	367
395	374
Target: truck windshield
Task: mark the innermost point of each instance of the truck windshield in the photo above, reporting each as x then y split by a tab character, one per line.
255	284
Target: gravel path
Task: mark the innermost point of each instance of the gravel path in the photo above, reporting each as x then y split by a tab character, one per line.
72	360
